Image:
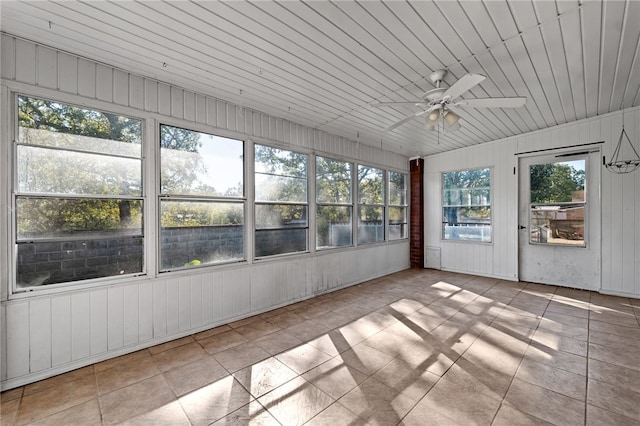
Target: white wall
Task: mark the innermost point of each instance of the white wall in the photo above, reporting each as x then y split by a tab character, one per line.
620	202
55	331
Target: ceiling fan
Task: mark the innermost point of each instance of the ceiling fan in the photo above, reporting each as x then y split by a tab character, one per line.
439	104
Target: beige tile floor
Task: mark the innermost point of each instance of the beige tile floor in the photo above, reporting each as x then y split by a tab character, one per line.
419	347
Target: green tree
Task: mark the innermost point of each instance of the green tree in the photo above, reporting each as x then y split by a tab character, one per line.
466	188
281	175
555	182
73	169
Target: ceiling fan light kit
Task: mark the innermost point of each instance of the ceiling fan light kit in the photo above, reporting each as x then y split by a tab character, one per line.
437	103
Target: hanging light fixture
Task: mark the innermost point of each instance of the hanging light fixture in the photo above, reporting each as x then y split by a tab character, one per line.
451	118
438	116
622	166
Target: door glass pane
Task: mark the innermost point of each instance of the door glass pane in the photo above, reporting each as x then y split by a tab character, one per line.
557	210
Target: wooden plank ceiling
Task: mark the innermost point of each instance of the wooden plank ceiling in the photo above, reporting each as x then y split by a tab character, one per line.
321	63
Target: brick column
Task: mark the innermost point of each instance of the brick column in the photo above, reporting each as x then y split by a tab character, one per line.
416	206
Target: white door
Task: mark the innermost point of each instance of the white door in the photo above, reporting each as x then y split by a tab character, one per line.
559	219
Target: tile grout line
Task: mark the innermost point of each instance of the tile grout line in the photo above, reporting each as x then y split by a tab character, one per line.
521	359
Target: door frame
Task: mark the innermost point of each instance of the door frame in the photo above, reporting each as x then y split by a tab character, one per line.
593	220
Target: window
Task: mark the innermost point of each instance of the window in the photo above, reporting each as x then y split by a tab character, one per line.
558	203
466	210
78	194
370	205
201	199
281	204
334	205
398	227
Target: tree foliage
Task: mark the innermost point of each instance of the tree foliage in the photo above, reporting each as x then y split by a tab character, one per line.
467	195
281	176
76	168
555	182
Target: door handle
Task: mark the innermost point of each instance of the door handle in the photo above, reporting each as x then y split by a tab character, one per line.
522	227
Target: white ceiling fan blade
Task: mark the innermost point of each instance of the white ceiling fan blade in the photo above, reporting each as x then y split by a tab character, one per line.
492	103
467	82
384	104
404	120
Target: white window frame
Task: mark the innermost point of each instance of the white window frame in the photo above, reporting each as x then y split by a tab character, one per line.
404	206
471	204
73	101
209	199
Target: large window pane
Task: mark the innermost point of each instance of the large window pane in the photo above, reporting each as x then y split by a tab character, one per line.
466	210
42	170
370	185
333	181
398	220
280	241
397	189
46	217
334	222
370	204
280	188
333	226
370	224
281	216
557	208
196	163
557	224
54	124
197	233
54	262
78	195
280	162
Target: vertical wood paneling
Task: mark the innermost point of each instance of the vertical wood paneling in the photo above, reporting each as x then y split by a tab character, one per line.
67	73
248	122
47	67
25	62
184	303
99	322
103	81
8	62
120	87
240	111
212	113
89	80
221	114
3	343
164	99
160	308
219	302
201	109
17	349
80	325
196	301
131	315
177	102
115	318
207	299
189	106
40	334
150	95
257	124
231	118
145	315
173	305
136	92
60	330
